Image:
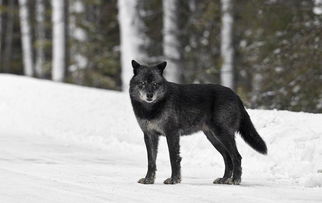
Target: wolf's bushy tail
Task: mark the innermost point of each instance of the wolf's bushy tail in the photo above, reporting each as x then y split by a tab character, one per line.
249	133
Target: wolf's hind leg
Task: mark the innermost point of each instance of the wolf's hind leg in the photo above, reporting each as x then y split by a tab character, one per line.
151	143
226	137
228	163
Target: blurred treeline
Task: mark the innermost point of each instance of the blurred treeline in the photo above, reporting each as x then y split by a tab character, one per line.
277	43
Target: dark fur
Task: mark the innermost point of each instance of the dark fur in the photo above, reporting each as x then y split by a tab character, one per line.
176	109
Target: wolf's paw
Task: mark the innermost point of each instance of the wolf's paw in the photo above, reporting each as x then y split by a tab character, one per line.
220	181
146	181
228	181
233	181
172	181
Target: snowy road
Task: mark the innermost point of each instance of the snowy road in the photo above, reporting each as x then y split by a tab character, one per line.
41	169
61	143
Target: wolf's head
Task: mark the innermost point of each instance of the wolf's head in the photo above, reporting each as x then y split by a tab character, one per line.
148	84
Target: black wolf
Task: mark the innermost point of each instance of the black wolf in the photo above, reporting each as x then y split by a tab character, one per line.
170	109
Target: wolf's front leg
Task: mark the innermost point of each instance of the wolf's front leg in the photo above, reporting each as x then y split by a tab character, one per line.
175	159
151	143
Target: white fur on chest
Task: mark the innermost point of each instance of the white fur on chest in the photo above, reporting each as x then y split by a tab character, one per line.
155	125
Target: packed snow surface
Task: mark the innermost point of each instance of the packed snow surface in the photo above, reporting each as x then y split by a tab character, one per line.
63	143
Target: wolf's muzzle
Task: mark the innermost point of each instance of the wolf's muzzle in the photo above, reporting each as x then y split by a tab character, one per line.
149	96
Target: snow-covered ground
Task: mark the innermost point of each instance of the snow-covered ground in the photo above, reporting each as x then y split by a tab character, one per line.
63	143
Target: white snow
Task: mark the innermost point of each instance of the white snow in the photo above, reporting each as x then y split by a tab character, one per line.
63	143
317	10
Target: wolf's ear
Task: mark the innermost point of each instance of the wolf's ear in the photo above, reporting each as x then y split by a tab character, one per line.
135	66
162	66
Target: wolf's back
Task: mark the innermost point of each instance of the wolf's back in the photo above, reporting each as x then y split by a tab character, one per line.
249	133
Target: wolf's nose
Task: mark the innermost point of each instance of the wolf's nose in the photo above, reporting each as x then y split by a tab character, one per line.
149	95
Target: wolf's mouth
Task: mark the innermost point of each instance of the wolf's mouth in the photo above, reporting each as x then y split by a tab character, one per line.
148	100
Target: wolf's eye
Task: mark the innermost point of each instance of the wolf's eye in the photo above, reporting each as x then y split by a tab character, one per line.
142	84
154	84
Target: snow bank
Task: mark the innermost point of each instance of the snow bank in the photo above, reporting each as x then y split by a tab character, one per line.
104	119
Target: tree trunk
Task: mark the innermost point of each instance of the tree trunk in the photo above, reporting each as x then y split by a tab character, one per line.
59	40
78	36
171	41
8	37
227	46
256	86
26	38
1	2
40	34
132	38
